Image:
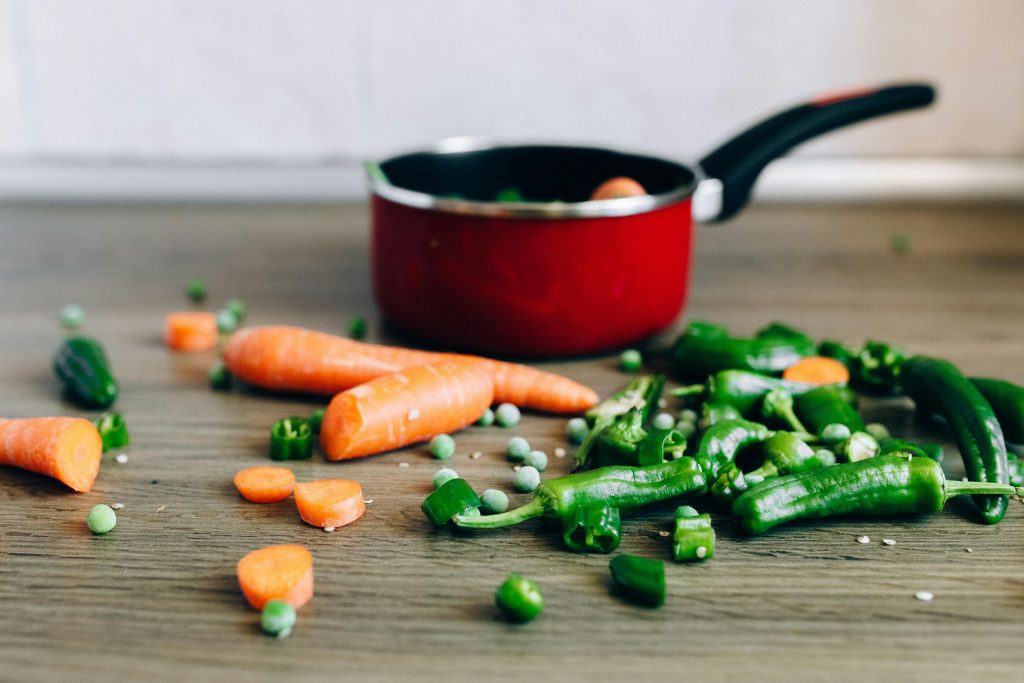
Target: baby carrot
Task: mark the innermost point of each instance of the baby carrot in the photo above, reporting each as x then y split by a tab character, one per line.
265	484
277	572
405	407
65	448
330	502
295	359
191	330
817	370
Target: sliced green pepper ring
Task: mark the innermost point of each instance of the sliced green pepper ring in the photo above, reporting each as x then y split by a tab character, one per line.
450	499
596	528
291	439
113	431
657	441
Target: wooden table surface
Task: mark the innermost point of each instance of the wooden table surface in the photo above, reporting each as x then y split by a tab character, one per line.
157	599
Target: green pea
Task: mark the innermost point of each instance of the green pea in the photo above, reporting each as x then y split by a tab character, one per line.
220	377
196	290
494	500
663	421
443	476
101	519
357	328
237	309
835	432
576	430
519	599
277	618
487	419
507	415
316	420
900	242
630	360
526	479
537	460
686	427
517	449
442	446
72	316
226	321
878	430
686	511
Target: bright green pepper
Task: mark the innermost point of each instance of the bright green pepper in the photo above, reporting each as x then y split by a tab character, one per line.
113	431
858	446
639	579
619	442
693	538
826	405
920	450
1007	401
781	330
697	354
1015	469
784	454
877	367
595	529
720	444
291	439
713	413
886	486
450	499
778	407
81	366
741	389
640	394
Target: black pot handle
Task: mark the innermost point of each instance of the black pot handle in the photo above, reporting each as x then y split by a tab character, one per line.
737	163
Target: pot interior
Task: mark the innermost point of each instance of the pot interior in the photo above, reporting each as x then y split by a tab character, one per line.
531	173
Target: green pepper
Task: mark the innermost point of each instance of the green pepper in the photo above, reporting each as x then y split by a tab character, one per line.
660	444
1007	401
697	354
595	528
858	446
877	367
830	348
826	405
81	365
1015	469
783	331
784	454
886	486
778	407
742	389
291	439
639	579
640	394
452	498
720	444
619	442
693	538
713	413
626	488
920	450
113	431
938	388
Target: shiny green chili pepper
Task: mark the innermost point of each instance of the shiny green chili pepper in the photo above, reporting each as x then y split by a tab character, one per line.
593	529
781	330
937	387
697	354
291	439
1015	467
826	405
741	389
660	444
877	367
626	488
81	366
720	444
639	579
1007	401
886	486
640	394
452	498
837	351
919	450
713	413
784	454
693	538
778	407
113	431
619	442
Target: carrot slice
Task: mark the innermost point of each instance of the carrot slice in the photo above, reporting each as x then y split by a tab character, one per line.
406	407
265	484
617	187
295	359
277	572
191	330
330	502
65	448
817	370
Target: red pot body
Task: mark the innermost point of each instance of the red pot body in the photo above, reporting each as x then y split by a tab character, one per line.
530	287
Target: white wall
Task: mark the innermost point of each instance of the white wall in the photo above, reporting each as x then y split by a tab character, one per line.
316	81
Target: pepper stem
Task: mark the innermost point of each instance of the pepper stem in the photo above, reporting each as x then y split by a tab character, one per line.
965	488
520	514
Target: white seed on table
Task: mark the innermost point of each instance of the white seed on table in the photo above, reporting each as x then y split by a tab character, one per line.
924	596
559	452
403	464
117	506
702	552
663	534
888	541
476	455
328	528
368	501
121	458
970	550
863	539
161	508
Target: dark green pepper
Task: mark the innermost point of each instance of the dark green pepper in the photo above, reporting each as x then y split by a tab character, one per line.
593	529
639	579
81	366
697	354
625	488
745	390
720	444
777	408
450	499
784	454
919	450
291	439
693	539
1016	469
826	405
113	431
783	331
1007	401
877	367
830	348
640	394
619	442
938	388
886	486
713	413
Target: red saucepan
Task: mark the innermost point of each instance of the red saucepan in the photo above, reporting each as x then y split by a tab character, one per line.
556	273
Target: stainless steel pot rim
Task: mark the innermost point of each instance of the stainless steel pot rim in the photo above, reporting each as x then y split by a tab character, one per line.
604	208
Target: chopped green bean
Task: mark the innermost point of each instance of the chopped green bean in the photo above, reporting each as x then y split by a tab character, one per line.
640	579
101	519
291	439
442	446
452	498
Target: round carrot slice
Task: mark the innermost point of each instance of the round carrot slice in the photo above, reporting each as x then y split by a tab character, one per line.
277	572
191	330
265	484
817	370
330	502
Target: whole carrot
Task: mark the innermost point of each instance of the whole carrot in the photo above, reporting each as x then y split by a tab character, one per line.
65	448
405	407
295	359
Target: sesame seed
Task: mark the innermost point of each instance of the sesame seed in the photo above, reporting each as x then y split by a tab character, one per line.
663	534
121	458
970	550
403	464
161	508
662	403
368	501
117	506
888	541
328	528
924	596
413	414
476	455
516	468
863	539
702	552
559	452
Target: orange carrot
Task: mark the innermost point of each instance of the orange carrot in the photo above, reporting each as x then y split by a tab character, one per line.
817	370
295	359
191	330
65	448
617	187
277	572
405	407
330	502
265	484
